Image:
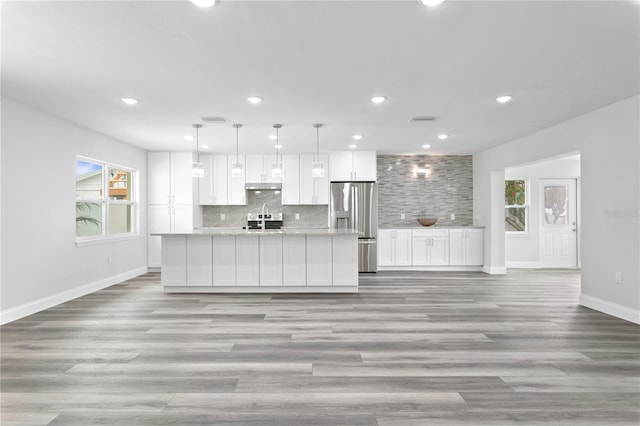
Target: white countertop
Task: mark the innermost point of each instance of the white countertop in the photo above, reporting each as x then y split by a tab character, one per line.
433	227
284	231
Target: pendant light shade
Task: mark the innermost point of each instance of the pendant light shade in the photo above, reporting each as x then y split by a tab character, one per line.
317	166
277	171
237	168
197	168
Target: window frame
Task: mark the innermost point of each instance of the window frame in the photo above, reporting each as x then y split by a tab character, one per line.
525	206
105	203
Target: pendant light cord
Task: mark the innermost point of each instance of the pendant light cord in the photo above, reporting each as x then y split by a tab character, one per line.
237	130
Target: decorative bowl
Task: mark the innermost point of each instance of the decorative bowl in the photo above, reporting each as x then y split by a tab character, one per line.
427	222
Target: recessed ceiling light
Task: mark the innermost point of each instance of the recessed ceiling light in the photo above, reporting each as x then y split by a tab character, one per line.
426	146
431	2
204	146
254	99
129	101
189	137
353	146
443	136
378	99
273	137
504	99
357	137
203	3
278	146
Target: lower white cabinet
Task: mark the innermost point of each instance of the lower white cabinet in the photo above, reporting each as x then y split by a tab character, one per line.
247	261
430	247
166	218
199	255
319	257
224	260
394	247
174	261
294	255
345	255
270	260
466	247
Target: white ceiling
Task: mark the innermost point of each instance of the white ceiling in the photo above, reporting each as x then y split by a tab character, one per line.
320	61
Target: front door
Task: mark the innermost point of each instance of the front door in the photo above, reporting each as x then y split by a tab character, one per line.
558	239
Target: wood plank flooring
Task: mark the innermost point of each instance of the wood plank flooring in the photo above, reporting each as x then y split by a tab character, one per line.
409	349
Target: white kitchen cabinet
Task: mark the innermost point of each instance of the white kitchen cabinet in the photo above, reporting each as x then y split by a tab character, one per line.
236	192
319	260
199	261
294	254
313	190
258	169
466	247
271	260
353	166
430	247
174	261
247	260
291	179
345	260
394	247
165	218
213	186
224	260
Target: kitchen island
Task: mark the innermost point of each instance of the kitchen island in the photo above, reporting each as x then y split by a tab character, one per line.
231	260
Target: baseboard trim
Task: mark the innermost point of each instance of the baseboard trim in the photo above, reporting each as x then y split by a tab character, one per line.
524	265
271	290
21	311
431	268
610	308
494	270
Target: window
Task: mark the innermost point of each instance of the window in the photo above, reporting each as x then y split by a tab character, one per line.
516	208
106	201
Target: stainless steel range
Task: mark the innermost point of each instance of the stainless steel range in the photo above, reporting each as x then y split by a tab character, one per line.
264	221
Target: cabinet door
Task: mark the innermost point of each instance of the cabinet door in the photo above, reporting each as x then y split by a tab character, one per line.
321	185
364	165
402	247
224	260
341	163
457	247
205	184
313	190
386	249
439	251
174	260
254	168
419	250
159	218
182	218
199	261
291	179
345	260
236	193
475	247
158	178
319	258
213	186
294	254
181	180
154	251
271	260
247	260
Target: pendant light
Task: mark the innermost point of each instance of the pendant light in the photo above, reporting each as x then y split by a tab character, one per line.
276	168
317	166
237	168
197	168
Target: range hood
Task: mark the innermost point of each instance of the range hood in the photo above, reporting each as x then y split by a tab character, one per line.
263	186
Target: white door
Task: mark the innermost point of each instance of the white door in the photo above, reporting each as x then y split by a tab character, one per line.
558	236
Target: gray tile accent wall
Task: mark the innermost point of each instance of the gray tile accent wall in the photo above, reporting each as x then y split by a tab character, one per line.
448	189
236	216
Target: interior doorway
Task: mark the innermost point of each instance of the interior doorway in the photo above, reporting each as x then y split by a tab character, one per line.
559	223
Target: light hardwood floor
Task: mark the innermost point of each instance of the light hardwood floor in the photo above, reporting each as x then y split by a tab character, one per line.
409	349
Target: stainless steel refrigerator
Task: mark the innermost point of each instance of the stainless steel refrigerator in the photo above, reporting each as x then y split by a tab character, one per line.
355	205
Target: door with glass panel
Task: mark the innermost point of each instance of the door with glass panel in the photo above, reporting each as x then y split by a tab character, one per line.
558	230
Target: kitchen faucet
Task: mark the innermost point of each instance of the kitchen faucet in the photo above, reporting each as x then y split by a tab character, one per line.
264	208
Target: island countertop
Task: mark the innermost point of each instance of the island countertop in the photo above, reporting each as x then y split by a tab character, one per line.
283	231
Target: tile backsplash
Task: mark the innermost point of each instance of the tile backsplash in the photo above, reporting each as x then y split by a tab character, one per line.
445	188
236	216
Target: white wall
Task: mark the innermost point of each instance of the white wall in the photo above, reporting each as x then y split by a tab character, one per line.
523	249
608	140
41	265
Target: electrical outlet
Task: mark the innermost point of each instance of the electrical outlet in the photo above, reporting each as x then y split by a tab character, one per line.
297	216
618	277
453	216
402	215
222	216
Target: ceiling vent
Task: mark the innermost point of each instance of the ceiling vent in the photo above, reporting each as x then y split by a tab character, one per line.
422	118
214	120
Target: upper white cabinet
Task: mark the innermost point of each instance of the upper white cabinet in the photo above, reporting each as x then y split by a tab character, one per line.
291	179
430	247
258	169
218	187
353	166
170	180
313	190
236	192
466	247
394	247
